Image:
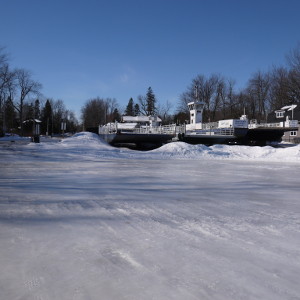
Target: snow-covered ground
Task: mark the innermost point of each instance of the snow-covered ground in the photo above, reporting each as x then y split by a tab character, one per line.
82	220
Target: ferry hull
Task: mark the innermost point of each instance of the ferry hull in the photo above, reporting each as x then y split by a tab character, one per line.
139	139
262	136
212	138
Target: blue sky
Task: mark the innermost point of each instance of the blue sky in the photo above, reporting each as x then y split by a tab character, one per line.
83	49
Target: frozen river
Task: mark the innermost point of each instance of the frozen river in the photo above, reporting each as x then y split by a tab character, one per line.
82	220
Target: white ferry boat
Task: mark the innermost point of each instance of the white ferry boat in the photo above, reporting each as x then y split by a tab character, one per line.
144	132
222	132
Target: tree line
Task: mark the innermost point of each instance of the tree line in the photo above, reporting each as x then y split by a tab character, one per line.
99	111
20	99
264	93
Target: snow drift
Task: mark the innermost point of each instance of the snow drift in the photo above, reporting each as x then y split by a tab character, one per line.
85	142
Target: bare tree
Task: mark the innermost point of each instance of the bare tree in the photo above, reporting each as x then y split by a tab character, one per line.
3	57
98	111
258	89
93	113
184	99
71	121
142	104
25	86
294	86
231	96
293	58
211	101
207	91
164	112
220	99
189	95
242	104
110	106
6	78
279	93
59	114
294	75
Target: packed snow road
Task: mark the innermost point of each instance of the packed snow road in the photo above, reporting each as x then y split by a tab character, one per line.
82	220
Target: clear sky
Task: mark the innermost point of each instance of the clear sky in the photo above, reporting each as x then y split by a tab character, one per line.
83	49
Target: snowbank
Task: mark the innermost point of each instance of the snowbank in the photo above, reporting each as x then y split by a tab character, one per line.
267	153
85	139
90	143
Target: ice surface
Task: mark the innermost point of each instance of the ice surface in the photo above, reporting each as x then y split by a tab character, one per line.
83	220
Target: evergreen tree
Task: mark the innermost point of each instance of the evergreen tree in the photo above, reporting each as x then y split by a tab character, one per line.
116	115
10	116
37	112
150	102
28	111
46	126
136	110
129	109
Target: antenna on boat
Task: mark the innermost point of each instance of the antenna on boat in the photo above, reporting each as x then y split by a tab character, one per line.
196	92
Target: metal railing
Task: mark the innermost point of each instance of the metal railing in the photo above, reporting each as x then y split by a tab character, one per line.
285	124
268	125
108	128
163	129
211	131
207	130
210	125
227	131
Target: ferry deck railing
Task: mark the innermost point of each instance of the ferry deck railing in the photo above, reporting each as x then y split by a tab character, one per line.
163	129
285	124
206	130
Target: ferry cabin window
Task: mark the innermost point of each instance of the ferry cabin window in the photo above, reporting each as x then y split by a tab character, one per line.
279	114
293	133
